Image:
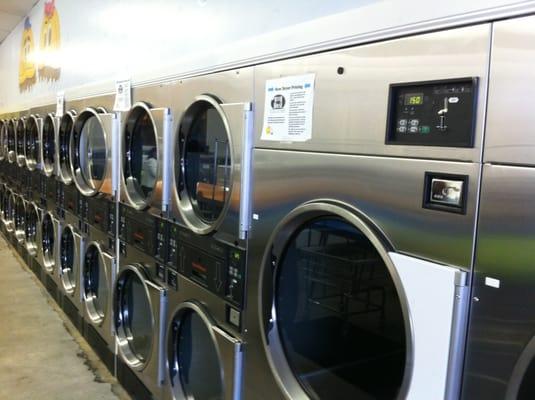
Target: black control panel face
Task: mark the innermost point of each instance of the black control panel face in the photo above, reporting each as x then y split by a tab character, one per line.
138	229
440	113
70	200
162	240
97	213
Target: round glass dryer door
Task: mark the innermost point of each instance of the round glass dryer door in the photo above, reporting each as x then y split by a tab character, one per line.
133	317
20	142
10	211
48	241
204	173
64	137
89	154
96	293
66	259
31	139
32	221
11	141
20	218
194	367
49	145
3	140
339	319
140	156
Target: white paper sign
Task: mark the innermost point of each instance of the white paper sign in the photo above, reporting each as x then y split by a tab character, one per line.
288	109
60	104
123	95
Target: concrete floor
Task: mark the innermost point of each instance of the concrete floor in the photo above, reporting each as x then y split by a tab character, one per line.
42	355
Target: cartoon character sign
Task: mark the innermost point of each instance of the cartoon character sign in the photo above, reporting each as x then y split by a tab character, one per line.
27	70
49	43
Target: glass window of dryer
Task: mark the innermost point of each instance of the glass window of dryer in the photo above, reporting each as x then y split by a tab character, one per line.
47	241
49	146
19	140
90	152
339	317
140	157
11	139
64	136
135	321
206	160
32	143
194	365
66	259
95	283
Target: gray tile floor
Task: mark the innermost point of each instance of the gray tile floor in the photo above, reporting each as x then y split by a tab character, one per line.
42	355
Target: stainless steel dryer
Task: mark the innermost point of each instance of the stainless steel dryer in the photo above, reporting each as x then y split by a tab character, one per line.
8	218
48	148
71	255
144	158
140	306
500	357
211	154
20	219
362	234
20	131
32	226
62	146
99	269
50	234
32	142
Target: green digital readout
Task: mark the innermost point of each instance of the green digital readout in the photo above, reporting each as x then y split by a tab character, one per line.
414	99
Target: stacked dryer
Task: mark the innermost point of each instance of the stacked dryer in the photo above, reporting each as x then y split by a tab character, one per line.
87	166
207	235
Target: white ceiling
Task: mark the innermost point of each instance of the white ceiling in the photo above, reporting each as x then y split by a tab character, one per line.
11	13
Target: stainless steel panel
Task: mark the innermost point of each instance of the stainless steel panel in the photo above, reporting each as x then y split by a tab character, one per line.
388	191
502	320
510	132
350	109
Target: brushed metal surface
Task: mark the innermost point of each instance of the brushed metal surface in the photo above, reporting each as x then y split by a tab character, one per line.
502	322
387	191
510	134
350	108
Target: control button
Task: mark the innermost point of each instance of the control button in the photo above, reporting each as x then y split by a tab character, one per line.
160	272
414	122
402	122
402	129
446	191
413	129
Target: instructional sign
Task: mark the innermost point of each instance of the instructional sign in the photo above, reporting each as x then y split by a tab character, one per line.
123	95
288	109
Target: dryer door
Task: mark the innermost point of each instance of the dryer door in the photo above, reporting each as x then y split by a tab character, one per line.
63	145
204	361
142	155
69	259
344	316
3	140
97	277
11	141
9	210
48	145
33	220
91	152
20	219
32	140
19	142
48	242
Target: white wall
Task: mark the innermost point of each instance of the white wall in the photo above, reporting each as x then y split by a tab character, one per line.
148	41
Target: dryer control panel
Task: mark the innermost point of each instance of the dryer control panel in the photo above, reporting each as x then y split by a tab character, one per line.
438	113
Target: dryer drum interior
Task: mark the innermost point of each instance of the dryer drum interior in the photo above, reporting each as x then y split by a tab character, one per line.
140	157
195	368
31	139
64	137
20	143
89	152
67	257
96	293
48	242
204	173
49	145
339	317
134	318
11	140
32	219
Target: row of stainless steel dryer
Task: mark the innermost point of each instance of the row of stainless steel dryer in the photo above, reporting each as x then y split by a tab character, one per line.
202	260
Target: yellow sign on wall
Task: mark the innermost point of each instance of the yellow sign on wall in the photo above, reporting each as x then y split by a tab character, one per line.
49	43
27	70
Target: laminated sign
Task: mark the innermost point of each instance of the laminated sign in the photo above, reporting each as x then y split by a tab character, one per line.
288	109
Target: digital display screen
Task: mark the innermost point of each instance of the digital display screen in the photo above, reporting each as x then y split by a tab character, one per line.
414	99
